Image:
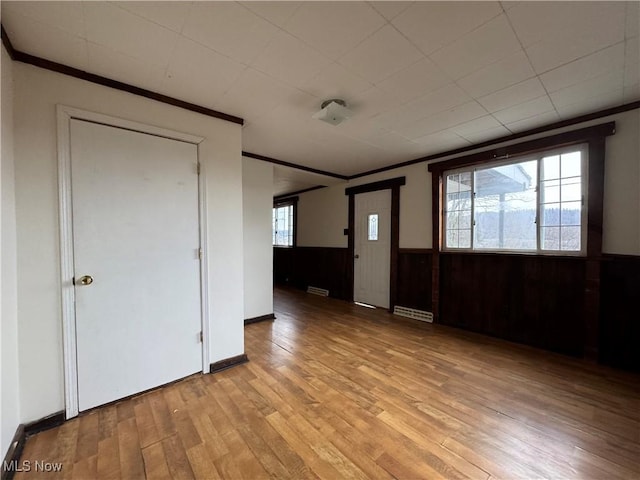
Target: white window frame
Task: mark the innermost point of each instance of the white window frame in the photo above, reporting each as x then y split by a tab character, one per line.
538	156
286	204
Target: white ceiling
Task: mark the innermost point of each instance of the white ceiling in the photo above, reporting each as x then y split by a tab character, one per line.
420	77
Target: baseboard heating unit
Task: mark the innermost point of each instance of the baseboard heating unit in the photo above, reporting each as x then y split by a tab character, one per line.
318	291
413	313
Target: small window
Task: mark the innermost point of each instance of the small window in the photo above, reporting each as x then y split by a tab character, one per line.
372	224
283	225
535	204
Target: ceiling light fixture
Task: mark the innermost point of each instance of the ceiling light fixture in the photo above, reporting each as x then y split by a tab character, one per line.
333	111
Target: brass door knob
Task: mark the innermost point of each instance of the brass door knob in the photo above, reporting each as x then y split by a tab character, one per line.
85	280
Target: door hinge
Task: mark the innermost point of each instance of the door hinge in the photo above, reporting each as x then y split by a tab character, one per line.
200	253
201	337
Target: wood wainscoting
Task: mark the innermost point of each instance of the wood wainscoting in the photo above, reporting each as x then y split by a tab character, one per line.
321	267
535	300
414	278
619	325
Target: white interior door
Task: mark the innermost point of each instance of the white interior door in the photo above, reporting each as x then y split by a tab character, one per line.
136	235
372	252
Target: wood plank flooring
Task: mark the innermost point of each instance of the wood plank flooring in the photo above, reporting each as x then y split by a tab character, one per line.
334	390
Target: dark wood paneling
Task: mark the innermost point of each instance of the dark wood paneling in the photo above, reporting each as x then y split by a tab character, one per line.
534	300
321	267
11	461
619	325
414	278
262	318
227	363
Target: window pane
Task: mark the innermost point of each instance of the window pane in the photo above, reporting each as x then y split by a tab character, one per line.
373	227
571	164
550	192
551	167
570	238
550	238
505	207
570	214
464	238
550	214
283	225
571	189
452	239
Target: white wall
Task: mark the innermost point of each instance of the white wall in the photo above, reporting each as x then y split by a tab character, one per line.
323	214
9	404
37	92
257	202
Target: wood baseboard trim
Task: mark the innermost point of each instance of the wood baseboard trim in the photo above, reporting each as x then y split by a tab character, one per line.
46	423
227	363
261	318
12	459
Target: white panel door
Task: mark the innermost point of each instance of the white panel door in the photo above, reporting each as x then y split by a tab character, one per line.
136	234
372	252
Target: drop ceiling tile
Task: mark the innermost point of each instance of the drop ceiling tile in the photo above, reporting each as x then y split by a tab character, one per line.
536	22
606	60
632	61
390	10
632	27
275	12
589	89
524	110
486	135
442	141
476	126
335	81
168	14
441	121
118	66
334	28
594	26
631	93
66	16
497	76
439	100
290	60
414	81
47	42
127	33
254	94
433	25
604	100
228	28
484	46
536	121
196	72
381	55
372	103
514	95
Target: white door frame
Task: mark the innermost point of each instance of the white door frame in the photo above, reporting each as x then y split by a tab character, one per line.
64	116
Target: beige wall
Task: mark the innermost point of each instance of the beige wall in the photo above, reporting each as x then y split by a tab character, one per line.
257	196
37	92
322	214
9	400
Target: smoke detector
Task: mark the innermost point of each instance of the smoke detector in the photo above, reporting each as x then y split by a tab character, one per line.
333	111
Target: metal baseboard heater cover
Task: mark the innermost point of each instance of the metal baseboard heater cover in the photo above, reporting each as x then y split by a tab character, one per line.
318	291
413	313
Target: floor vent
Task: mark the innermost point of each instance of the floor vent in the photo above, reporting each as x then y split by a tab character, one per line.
318	291
413	313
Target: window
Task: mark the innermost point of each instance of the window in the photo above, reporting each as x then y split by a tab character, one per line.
532	204
372	227
283	227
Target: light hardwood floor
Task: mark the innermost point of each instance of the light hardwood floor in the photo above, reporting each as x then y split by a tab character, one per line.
336	391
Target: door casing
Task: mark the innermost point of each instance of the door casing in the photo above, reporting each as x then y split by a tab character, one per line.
64	116
394	184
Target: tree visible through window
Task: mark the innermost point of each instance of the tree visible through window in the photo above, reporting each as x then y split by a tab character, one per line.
534	204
